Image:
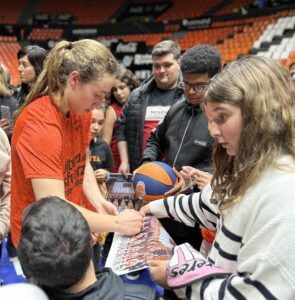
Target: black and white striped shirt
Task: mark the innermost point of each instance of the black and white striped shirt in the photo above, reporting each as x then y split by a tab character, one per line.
255	239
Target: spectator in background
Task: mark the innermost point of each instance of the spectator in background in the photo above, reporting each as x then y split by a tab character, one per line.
101	158
8	103
30	60
125	83
183	138
148	104
292	70
5	180
8	81
57	256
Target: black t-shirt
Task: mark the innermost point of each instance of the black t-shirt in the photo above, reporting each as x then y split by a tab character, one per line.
101	156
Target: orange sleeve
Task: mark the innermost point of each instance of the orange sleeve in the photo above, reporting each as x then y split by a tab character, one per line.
39	148
208	235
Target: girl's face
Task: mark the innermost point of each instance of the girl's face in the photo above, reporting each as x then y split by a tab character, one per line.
26	70
80	97
97	122
225	125
121	91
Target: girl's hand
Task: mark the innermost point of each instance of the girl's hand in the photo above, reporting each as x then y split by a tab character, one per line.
107	208
145	210
201	178
101	175
124	169
158	270
177	189
130	221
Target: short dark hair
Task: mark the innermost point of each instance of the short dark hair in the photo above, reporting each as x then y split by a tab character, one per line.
201	59
166	47
55	244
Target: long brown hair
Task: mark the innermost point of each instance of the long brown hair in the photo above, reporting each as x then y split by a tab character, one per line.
89	57
265	93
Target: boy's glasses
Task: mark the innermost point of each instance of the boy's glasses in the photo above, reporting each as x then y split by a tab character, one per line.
197	87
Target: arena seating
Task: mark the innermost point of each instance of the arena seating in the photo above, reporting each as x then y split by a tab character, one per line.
43	34
10	10
85	12
270	35
187	9
234	6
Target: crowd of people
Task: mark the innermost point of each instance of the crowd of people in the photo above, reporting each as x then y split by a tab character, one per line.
227	132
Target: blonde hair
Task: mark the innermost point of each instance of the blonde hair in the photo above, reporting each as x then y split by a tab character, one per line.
4	91
89	57
265	93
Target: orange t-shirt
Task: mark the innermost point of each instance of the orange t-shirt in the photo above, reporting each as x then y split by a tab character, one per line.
46	144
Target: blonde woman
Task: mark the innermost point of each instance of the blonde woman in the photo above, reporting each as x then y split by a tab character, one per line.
251	204
8	103
52	134
5	180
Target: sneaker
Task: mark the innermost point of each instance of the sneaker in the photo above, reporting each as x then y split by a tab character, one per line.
133	275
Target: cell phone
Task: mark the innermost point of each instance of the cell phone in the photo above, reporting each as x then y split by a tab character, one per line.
5	114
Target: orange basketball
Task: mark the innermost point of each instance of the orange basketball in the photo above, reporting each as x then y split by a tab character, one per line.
152	180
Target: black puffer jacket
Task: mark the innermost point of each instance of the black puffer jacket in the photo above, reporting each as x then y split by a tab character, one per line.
182	139
131	123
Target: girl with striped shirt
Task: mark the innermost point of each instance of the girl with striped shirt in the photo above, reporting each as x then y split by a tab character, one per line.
250	201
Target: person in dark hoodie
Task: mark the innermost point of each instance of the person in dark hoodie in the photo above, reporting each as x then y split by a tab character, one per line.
183	138
148	104
55	252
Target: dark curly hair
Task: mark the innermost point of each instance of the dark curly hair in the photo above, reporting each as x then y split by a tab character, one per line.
201	59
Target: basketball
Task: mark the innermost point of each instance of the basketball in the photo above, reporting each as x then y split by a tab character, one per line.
152	180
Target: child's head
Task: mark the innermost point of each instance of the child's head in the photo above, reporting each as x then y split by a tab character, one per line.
55	244
77	74
98	117
125	83
250	110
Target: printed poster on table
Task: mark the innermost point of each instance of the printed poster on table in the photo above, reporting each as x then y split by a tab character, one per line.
129	254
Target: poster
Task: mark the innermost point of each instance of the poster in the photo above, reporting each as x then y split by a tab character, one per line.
129	254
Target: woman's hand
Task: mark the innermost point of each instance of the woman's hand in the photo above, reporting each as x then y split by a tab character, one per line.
107	208
195	176
101	175
145	210
5	125
124	168
158	270
130	221
178	187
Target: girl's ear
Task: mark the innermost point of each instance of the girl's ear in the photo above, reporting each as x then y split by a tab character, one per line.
74	79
